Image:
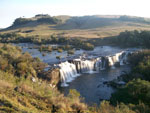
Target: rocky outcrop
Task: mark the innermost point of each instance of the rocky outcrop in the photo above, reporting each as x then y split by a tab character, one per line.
52	76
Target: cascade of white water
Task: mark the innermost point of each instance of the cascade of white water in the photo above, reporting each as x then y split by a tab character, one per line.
70	70
67	72
124	58
87	66
114	59
117	57
103	64
100	64
97	64
111	63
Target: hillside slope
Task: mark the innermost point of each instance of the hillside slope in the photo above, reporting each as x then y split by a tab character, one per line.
96	26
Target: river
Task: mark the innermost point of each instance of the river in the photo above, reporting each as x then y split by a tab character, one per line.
90	85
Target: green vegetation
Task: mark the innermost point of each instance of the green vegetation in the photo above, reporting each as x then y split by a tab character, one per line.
126	39
129	39
134	39
140	62
76	43
71	52
21	21
45	48
58	57
22	65
39	19
59	50
135	95
134	92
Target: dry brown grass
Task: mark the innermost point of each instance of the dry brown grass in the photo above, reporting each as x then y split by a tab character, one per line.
25	88
44	31
5	85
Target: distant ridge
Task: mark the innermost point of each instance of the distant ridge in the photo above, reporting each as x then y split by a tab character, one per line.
79	21
90	26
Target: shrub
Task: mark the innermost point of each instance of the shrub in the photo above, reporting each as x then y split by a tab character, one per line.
21	21
59	50
88	46
134	91
70	51
58	57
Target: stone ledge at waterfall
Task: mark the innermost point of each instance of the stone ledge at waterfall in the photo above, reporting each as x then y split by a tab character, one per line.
71	69
52	76
67	71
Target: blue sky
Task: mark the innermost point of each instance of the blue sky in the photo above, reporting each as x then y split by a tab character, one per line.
12	9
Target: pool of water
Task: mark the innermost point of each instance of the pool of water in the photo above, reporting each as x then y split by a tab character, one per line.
91	86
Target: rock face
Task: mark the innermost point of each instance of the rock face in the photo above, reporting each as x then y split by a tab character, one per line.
52	76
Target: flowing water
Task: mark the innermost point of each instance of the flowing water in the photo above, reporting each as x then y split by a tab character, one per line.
92	87
86	71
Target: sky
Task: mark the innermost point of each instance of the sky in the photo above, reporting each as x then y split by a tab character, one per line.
12	9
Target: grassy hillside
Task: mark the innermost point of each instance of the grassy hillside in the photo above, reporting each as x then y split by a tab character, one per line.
86	26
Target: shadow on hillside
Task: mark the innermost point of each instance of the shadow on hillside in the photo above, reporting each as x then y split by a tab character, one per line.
86	22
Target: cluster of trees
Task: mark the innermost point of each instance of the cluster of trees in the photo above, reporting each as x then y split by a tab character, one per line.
126	39
22	65
41	19
130	39
76	43
59	48
134	92
21	21
16	38
134	39
135	95
86	45
140	62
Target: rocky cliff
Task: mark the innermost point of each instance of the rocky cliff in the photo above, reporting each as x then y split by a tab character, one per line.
52	76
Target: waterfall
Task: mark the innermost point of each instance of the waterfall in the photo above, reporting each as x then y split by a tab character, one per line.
101	63
87	66
67	72
124	58
117	58
110	60
71	69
